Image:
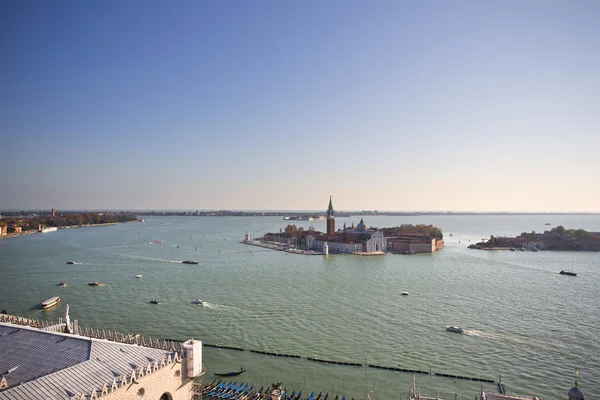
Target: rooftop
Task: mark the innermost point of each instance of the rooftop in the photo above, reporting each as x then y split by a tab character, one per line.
39	365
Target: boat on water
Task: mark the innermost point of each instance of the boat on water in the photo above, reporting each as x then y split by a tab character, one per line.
567	272
62	284
154	302
138	276
534	249
512	249
93	284
405	293
190	262
234	373
70	262
50	229
51	302
456	329
199	302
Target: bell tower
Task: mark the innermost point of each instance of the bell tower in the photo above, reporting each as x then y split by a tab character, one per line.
330	218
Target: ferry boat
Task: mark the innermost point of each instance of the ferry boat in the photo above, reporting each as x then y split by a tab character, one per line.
51	302
50	229
456	329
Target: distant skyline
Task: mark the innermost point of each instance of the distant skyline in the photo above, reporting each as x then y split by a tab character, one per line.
461	106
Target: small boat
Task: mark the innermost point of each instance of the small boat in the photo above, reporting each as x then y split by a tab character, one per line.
452	328
234	373
62	284
154	302
70	262
522	249
190	262
93	284
566	272
512	249
534	249
405	293
199	302
138	276
51	302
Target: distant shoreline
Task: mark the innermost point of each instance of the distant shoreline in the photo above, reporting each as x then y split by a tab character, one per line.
33	231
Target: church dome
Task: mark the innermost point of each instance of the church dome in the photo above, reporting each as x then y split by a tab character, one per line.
361	226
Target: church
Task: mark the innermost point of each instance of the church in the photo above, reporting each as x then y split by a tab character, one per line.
359	239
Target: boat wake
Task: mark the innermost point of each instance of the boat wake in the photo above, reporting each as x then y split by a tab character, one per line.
490	335
213	306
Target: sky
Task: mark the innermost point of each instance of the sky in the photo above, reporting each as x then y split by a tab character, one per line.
276	105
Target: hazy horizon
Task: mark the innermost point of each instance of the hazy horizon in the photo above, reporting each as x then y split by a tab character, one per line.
389	105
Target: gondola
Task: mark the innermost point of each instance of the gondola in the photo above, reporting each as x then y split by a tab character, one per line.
234	373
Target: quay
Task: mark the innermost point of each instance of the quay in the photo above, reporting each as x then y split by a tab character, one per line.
279	247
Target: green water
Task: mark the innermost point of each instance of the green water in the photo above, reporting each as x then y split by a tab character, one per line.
522	319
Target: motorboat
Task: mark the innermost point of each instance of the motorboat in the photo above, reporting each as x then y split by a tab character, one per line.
190	262
93	284
404	293
51	302
456	329
70	262
138	276
154	302
565	272
512	249
199	302
534	249
62	284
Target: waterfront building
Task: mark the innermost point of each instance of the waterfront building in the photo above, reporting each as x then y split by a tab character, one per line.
3	230
353	240
46	362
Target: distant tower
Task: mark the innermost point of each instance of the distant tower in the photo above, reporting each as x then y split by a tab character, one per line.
330	218
53	212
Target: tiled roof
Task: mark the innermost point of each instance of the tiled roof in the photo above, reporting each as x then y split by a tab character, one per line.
57	366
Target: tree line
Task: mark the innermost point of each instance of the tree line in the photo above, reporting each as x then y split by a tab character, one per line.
32	223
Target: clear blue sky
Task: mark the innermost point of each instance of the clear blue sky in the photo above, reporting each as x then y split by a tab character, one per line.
387	105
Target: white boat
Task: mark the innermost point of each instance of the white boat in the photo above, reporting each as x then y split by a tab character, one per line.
199	302
404	293
51	302
46	230
452	328
138	276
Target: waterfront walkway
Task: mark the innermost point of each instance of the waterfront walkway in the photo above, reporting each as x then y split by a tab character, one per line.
280	247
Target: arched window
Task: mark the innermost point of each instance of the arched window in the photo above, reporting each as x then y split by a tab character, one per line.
166	396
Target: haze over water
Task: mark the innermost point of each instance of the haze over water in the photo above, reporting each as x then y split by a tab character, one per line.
522	319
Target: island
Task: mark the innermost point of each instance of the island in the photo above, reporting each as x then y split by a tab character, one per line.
359	239
25	224
559	239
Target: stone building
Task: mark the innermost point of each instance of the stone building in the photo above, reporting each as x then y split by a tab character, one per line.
39	363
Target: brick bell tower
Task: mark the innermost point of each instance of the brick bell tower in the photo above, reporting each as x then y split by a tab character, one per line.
330	219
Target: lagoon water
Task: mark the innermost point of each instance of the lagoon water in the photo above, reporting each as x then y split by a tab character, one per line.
538	329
